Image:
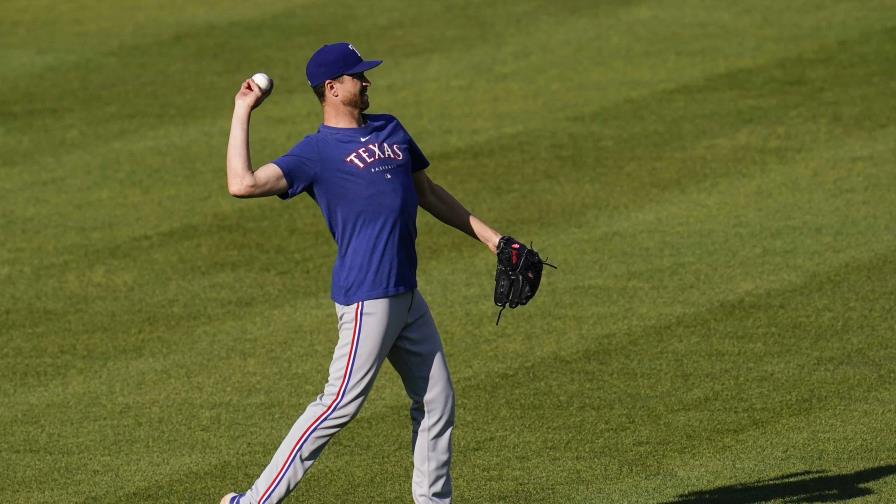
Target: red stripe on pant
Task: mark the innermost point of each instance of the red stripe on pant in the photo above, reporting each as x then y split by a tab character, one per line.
266	494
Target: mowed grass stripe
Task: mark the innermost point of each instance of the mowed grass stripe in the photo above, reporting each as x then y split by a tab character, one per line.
626	155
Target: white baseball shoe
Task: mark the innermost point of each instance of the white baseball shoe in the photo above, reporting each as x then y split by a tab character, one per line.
229	498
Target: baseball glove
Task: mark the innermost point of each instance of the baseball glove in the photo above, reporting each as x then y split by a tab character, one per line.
518	274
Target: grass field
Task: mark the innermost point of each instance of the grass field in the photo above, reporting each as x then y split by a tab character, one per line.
716	181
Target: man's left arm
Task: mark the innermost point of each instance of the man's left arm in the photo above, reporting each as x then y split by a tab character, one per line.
443	206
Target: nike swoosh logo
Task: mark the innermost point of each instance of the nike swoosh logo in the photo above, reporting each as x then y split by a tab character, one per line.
364	139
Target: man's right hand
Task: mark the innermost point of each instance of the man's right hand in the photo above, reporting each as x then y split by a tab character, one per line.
249	96
242	181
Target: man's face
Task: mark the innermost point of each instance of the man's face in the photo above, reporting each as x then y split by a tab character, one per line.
353	91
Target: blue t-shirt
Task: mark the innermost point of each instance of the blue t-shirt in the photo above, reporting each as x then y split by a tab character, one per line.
361	180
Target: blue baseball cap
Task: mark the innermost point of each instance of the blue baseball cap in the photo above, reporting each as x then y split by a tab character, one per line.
333	60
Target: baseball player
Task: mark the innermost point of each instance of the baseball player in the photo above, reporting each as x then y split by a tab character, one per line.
368	176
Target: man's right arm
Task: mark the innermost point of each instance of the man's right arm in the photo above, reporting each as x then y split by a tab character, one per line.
242	182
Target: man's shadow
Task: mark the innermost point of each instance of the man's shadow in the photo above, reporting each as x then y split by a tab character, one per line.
801	487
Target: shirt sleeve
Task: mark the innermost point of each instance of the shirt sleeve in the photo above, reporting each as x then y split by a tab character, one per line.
299	167
418	160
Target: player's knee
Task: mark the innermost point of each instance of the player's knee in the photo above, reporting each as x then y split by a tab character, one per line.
441	405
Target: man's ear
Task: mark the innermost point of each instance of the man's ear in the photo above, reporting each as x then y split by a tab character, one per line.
331	88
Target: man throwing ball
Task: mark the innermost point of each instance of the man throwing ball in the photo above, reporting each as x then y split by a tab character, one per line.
368	176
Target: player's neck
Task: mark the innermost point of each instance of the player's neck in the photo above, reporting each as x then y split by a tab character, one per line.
343	117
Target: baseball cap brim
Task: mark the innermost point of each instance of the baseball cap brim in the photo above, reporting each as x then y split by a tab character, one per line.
364	66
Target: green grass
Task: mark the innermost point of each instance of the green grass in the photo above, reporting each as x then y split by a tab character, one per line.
715	181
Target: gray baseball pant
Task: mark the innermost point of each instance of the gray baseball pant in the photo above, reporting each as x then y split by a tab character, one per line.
401	329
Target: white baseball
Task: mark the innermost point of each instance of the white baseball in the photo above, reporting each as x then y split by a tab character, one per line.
264	82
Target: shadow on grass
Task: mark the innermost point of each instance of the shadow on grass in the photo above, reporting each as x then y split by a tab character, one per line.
806	486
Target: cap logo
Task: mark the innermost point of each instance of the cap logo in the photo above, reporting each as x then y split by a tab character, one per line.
356	51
